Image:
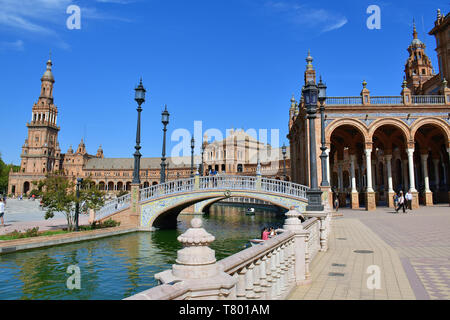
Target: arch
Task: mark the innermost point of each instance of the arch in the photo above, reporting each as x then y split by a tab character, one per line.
26	187
162	212
399	124
110	186
146	184
434	121
120	186
349	122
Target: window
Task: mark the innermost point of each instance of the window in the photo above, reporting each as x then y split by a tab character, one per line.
423	71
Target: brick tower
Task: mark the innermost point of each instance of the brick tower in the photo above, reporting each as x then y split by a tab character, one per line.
418	68
41	152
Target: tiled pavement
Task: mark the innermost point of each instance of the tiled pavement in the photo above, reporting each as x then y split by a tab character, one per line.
412	251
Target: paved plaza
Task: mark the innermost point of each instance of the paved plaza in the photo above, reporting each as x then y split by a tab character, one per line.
412	251
21	215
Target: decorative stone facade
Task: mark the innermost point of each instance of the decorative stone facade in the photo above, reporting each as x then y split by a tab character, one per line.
381	145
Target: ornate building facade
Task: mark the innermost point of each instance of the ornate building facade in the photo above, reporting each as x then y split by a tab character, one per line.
237	154
381	145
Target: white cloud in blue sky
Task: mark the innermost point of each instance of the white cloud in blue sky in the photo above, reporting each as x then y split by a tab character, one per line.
307	16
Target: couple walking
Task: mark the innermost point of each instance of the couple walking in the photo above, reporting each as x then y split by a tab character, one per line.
403	201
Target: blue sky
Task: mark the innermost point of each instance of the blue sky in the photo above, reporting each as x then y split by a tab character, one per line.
228	63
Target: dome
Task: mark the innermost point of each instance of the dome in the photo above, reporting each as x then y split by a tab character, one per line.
48	75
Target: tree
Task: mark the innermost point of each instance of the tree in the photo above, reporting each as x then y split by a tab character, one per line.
4	174
59	195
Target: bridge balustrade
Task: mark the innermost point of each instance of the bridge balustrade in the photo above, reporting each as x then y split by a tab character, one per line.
113	206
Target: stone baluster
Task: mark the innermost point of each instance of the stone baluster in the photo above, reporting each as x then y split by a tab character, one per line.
241	284
323	234
264	282
269	278
307	259
249	280
257	273
273	271
283	268
279	272
292	261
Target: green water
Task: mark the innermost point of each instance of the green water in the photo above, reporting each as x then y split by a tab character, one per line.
118	267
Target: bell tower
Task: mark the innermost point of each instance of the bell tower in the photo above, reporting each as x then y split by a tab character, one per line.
41	152
418	68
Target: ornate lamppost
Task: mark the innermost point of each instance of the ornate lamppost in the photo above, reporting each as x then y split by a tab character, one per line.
323	157
192	156
283	150
310	93
165	121
140	99
202	172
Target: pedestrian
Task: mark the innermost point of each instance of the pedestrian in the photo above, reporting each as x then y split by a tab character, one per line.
265	234
2	211
409	198
336	204
272	232
401	202
395	197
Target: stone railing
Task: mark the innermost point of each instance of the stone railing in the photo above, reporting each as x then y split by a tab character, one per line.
113	206
385	100
268	271
224	183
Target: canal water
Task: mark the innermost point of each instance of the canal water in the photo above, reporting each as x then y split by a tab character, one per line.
118	267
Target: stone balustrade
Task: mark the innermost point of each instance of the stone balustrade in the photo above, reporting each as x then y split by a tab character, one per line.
268	271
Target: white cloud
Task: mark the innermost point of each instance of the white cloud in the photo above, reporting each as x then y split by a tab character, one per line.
15	45
304	15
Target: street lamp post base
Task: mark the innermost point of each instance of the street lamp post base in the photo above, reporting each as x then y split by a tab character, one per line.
314	200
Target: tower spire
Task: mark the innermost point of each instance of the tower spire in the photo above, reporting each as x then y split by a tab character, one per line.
414	29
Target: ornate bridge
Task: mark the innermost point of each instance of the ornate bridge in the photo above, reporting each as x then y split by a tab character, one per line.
160	205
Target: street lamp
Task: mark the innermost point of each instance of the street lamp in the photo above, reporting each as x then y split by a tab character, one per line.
322	98
283	150
192	156
310	93
165	121
140	99
77	204
203	152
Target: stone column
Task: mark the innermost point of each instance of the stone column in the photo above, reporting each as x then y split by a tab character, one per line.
390	191
370	194
328	165
428	194
436	173
355	195
405	175
340	194
412	184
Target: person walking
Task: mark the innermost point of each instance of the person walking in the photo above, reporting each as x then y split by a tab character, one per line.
336	204
2	211
395	198
401	202
409	198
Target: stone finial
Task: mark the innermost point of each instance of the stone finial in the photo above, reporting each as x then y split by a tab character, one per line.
439	14
444	83
292	221
309	61
196	260
404	84
364	84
